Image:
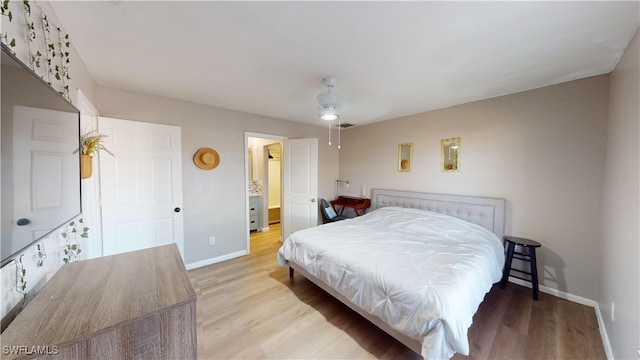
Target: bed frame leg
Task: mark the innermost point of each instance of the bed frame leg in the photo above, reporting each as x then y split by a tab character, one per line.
291	272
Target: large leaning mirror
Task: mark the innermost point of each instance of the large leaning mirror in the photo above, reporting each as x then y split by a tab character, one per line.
40	131
450	149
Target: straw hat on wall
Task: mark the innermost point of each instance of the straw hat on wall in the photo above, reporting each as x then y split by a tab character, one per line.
206	158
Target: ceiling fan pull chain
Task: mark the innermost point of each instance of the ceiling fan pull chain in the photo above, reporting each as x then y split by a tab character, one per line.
339	133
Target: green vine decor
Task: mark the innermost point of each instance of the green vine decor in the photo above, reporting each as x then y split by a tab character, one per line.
41	254
21	283
34	58
4	37
51	49
72	247
5	10
62	70
48	53
57	67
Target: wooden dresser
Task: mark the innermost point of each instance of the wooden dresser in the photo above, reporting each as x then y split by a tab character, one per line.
137	305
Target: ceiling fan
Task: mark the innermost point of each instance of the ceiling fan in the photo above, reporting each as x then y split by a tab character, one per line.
330	104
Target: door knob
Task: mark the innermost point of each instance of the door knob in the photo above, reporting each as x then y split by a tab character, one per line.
23	222
313	200
177	209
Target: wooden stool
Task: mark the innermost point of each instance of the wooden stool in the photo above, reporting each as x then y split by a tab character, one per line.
512	241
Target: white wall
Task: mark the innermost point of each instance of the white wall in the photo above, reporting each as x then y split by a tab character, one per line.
542	150
620	247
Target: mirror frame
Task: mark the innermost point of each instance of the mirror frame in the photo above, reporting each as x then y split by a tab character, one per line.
445	152
405	157
59	99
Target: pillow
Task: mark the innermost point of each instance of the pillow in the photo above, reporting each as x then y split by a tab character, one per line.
331	213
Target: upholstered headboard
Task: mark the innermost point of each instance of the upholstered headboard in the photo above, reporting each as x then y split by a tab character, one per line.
484	211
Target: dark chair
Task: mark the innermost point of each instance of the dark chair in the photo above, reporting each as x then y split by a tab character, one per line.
329	213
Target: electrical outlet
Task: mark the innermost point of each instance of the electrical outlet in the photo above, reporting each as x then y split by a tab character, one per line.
212	240
613	311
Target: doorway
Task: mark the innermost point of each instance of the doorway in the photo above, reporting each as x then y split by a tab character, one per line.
264	173
299	185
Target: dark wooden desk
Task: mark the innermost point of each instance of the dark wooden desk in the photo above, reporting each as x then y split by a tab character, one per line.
359	205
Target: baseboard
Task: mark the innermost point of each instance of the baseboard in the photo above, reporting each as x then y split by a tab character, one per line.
218	259
556	292
579	300
603	333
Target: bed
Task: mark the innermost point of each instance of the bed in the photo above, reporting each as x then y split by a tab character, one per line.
417	265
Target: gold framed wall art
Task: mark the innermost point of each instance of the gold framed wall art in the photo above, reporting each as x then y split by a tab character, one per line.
405	157
450	150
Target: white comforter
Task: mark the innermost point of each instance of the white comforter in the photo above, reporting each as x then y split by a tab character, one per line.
422	273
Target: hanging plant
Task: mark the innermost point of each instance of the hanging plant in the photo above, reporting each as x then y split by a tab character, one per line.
92	142
21	282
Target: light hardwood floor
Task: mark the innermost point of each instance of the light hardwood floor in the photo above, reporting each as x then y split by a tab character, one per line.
248	308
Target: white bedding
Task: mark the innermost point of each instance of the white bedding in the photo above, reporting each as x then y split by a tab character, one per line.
421	272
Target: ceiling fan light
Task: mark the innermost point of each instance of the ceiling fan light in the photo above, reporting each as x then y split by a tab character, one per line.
328	113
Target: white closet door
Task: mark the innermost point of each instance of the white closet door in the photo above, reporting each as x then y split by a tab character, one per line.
141	186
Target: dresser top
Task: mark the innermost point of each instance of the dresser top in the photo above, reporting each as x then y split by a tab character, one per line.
94	295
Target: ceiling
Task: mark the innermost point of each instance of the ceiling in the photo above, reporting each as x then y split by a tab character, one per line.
390	59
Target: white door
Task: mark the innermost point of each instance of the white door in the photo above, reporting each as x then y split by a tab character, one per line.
90	188
141	186
44	141
300	185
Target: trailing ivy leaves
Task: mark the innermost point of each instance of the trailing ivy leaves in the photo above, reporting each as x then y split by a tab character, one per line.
41	254
31	32
21	282
5	10
51	64
35	59
85	230
72	250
